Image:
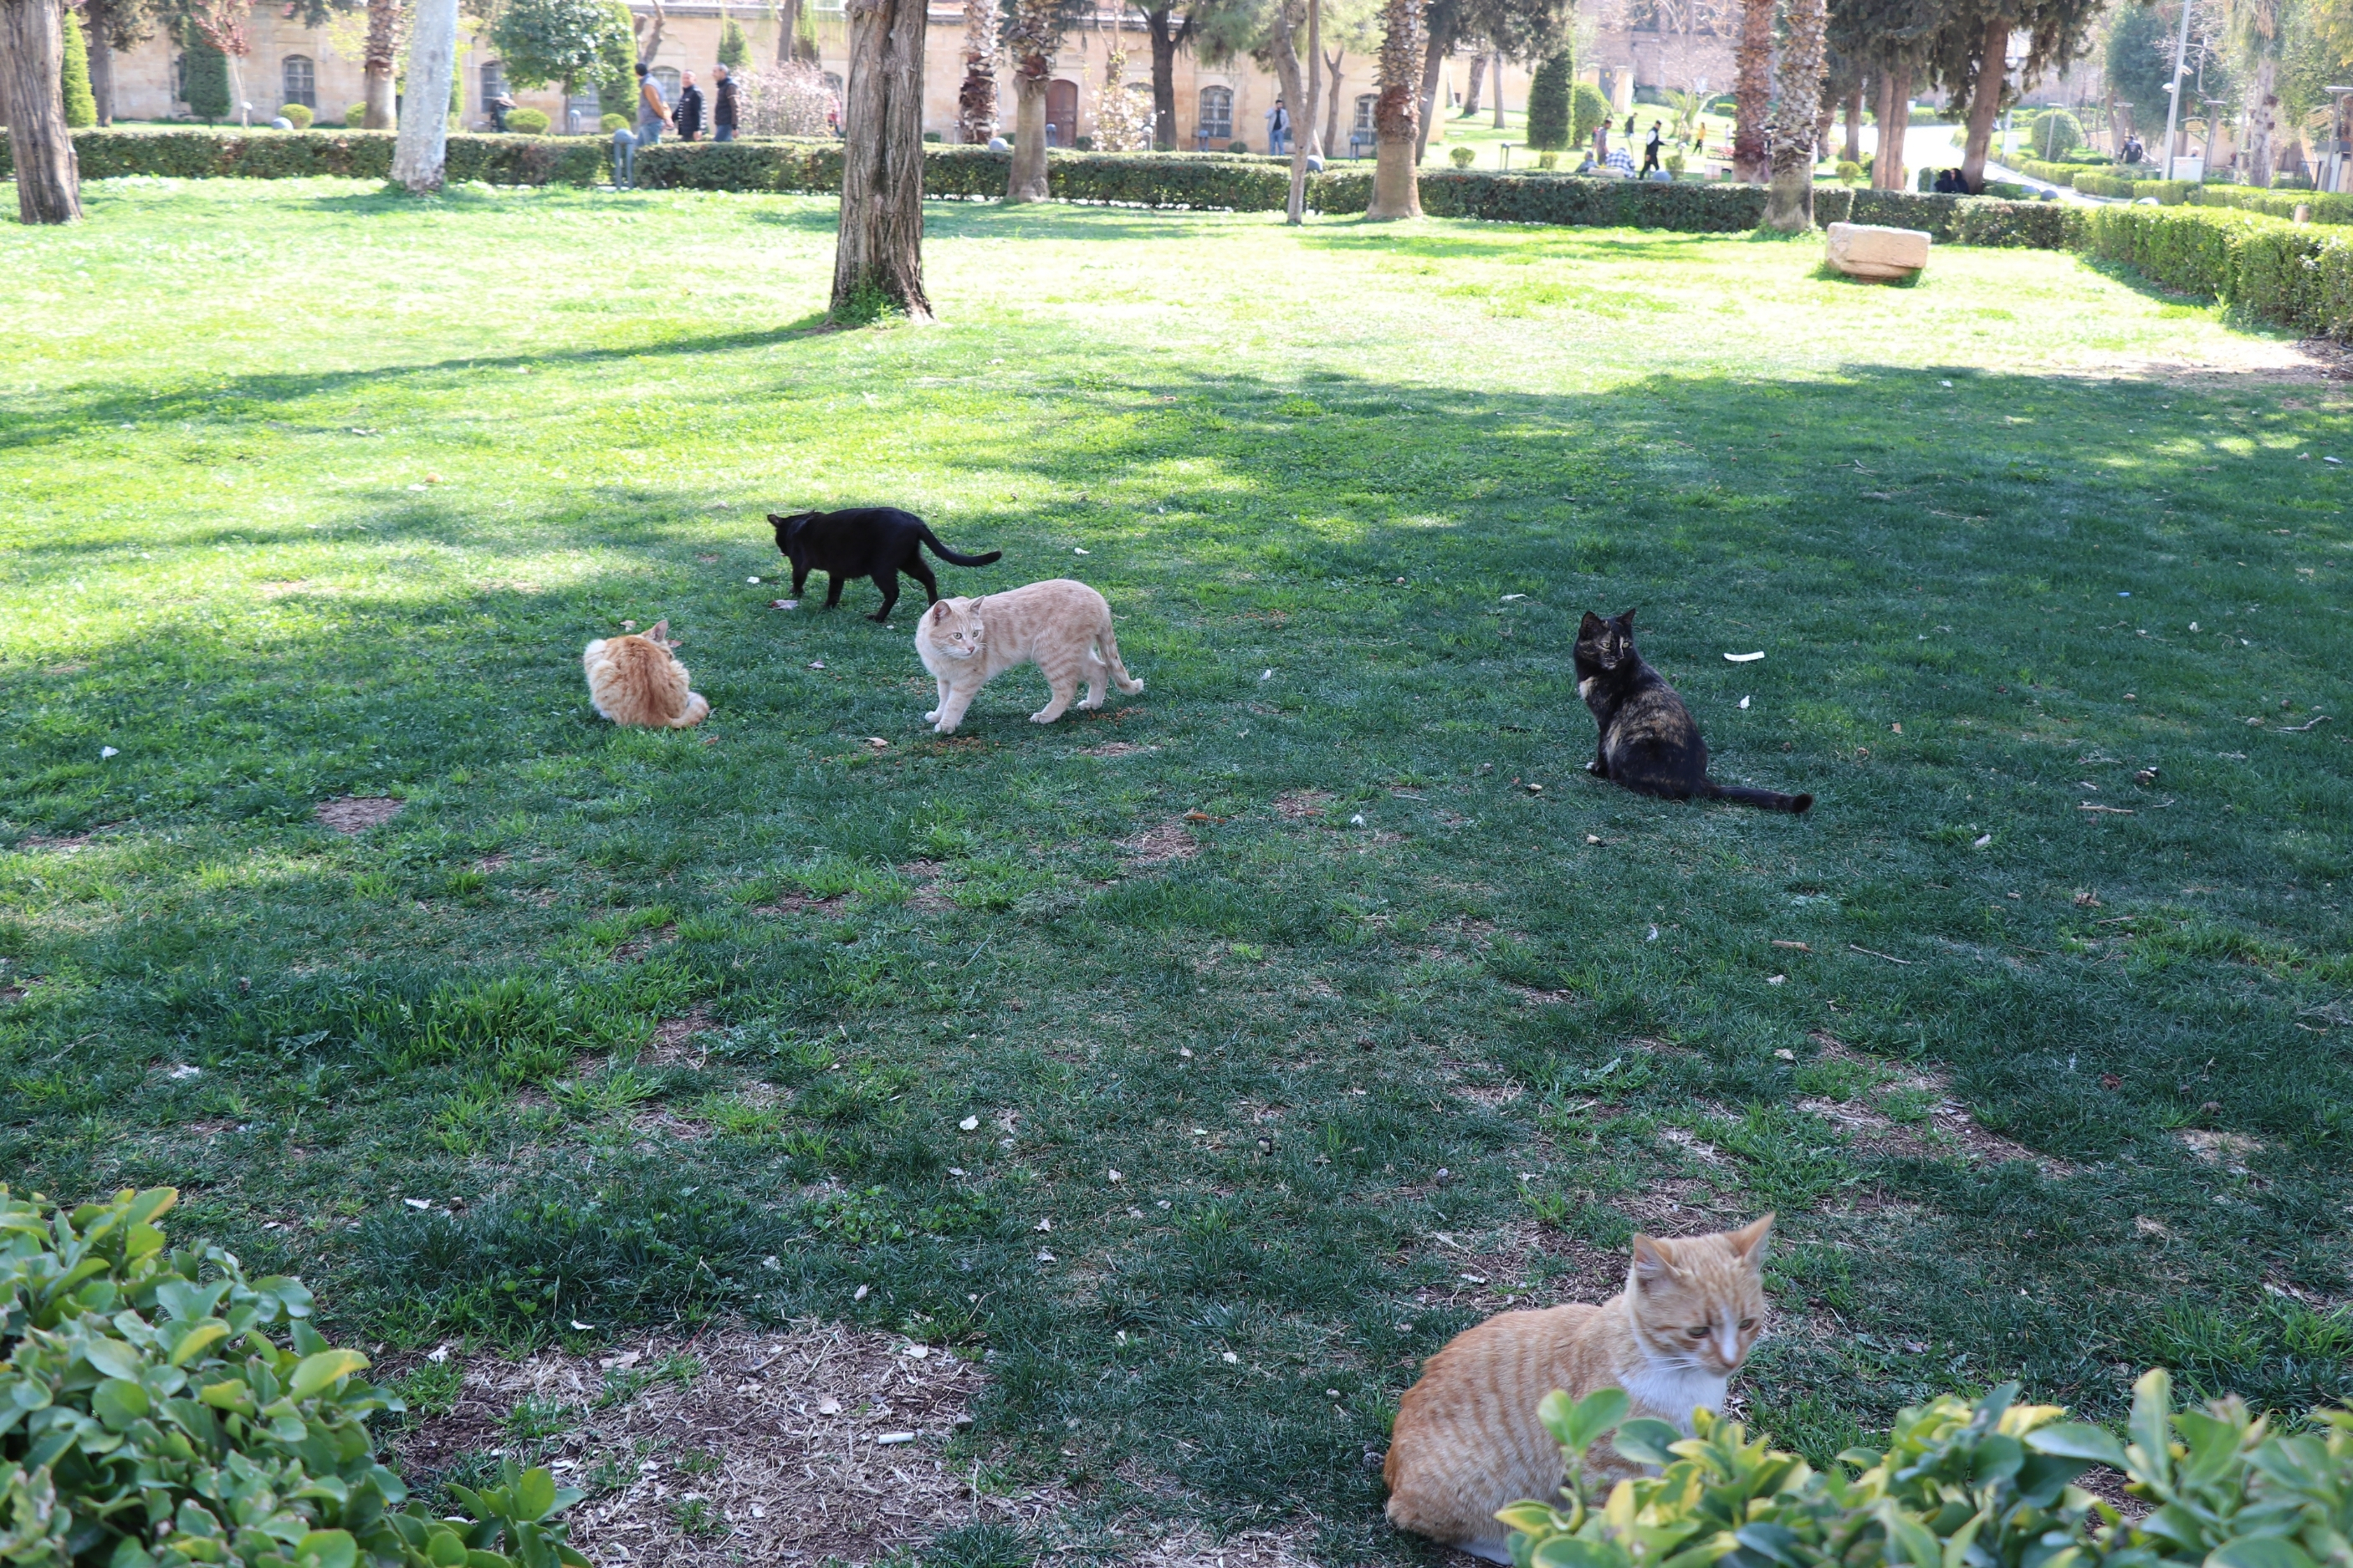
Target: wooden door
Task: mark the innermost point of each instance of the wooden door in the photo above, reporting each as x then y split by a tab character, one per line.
1061	114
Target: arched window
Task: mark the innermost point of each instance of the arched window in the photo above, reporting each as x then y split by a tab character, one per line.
301	81
1217	122
668	77
494	81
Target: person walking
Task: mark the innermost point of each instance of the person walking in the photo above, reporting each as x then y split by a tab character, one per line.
722	104
1278	129
687	116
652	112
498	107
1629	128
1651	149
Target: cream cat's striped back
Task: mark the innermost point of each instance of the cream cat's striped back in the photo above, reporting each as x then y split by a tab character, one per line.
1060	625
1467	1441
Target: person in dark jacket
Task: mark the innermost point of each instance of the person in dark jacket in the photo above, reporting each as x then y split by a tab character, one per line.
722	104
688	115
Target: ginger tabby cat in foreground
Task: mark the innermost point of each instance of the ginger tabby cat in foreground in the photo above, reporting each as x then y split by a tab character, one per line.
1467	1441
1061	627
636	680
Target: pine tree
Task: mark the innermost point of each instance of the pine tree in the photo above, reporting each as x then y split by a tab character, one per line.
207	87
734	48
1548	101
81	109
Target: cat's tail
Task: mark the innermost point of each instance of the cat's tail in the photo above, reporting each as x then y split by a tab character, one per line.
698	709
1118	675
1766	799
956	558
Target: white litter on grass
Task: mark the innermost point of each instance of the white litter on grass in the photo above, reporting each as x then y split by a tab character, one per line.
1046	1258
889	1438
437	1354
417	1203
1744	703
751	579
1777	980
1231	1359
1653	936
969	1123
1743	657
1509	597
1981	840
106	752
1266	675
584	1327
1076	551
184	1071
1356	821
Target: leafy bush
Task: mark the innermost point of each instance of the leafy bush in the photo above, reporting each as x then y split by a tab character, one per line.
2325	207
1548	103
1588	109
158	1408
81	109
527	121
2055	134
1989	1485
299	115
2104	185
2299	277
356	116
206	92
361	154
1461	157
2164	193
611	122
2291	182
1849	173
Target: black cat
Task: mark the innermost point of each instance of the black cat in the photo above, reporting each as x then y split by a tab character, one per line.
1649	742
877	541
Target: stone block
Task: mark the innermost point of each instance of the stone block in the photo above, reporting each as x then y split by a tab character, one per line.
1882	255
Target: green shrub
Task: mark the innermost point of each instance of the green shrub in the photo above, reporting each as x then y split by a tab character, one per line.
527	121
1548	103
813	164
1849	173
2088	155
734	48
1588	109
1990	1485
81	109
207	84
356	116
612	123
2060	175
2299	277
2053	134
1237	146
2291	182
299	115
2325	207
117	151
159	1408
1461	157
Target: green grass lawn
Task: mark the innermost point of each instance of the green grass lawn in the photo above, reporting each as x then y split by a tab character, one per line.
308	493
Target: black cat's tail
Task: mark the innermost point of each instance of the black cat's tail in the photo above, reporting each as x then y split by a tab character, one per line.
953	558
1768	800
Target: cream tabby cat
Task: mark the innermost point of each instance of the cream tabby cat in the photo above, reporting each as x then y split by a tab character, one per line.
1058	626
636	681
1467	1440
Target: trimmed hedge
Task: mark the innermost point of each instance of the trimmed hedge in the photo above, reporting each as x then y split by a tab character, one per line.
2060	175
2327	208
351	155
2300	277
2123	187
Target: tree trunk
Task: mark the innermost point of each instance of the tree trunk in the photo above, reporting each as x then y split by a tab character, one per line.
1433	61
2263	115
1332	139
1894	119
420	155
880	250
1753	87
1790	205
1501	124
1985	99
1028	183
98	19
977	98
32	96
1282	52
375	65
1396	190
1478	75
1853	152
1165	41
650	43
788	24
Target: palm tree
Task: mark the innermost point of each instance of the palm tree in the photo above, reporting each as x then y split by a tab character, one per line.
375	64
1396	190
1789	207
1752	87
977	99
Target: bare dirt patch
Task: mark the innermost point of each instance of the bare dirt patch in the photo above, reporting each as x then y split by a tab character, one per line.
925	876
672	1038
1300	803
812	1443
2229	1150
637	946
357	814
67	843
1159	845
802	904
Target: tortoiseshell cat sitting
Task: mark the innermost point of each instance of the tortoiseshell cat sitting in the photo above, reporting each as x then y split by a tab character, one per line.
1649	742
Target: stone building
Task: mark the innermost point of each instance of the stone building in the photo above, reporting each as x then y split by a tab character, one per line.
1216	104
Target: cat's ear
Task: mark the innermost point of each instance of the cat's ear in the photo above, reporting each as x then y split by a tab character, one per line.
1748	1241
1589	624
1626	621
1652	1262
940	612
660	631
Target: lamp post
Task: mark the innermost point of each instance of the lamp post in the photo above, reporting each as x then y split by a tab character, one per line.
2173	88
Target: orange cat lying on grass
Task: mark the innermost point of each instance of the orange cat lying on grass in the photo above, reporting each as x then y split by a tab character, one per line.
636	680
1467	1441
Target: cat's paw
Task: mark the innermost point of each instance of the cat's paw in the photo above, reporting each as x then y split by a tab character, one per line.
1593	767
1044	716
933	717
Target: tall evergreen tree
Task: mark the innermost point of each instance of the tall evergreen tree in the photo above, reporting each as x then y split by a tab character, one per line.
206	87
1548	101
81	109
